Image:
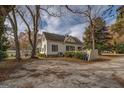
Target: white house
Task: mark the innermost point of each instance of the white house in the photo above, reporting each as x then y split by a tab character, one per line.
53	44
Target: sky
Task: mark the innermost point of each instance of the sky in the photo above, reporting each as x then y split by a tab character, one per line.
68	23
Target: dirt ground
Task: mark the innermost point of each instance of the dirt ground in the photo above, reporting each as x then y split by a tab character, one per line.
62	74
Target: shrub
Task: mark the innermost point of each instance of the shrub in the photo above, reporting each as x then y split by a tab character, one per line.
75	54
120	48
41	55
69	54
60	54
2	54
78	55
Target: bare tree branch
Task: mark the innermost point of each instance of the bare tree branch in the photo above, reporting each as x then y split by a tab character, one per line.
30	11
50	14
29	30
14	25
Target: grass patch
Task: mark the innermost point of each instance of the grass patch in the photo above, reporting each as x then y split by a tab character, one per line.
113	55
75	60
102	59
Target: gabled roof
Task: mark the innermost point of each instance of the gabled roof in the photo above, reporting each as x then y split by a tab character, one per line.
60	38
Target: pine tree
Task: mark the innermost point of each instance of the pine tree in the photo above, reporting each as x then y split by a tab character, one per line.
118	31
102	36
118	27
4	44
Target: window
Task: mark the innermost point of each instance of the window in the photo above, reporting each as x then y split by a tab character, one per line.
70	48
79	48
54	48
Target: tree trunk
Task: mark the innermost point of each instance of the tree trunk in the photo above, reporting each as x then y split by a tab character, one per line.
1	25
15	30
18	58
92	34
33	55
36	19
4	10
93	40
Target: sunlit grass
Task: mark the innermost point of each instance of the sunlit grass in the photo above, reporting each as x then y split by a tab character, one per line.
75	60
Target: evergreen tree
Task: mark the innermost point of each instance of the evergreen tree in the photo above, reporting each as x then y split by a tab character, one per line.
118	31
4	44
118	27
102	36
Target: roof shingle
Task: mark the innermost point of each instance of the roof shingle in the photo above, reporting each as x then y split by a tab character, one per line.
59	38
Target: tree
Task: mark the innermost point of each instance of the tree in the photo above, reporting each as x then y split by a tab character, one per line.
24	43
120	48
102	36
23	40
4	11
118	30
13	21
118	27
4	44
34	12
90	13
35	16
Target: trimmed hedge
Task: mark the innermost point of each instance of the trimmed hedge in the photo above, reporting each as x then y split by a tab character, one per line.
75	54
69	54
2	54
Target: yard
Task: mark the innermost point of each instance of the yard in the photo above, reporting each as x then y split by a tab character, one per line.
63	72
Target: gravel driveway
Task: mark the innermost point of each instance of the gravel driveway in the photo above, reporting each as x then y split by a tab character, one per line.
54	73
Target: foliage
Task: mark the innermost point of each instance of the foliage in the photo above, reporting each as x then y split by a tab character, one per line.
6	8
120	48
69	54
79	55
118	27
75	54
2	54
102	37
119	24
4	44
118	32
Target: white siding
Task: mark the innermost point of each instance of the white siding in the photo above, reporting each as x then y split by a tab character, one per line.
61	47
44	43
75	45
